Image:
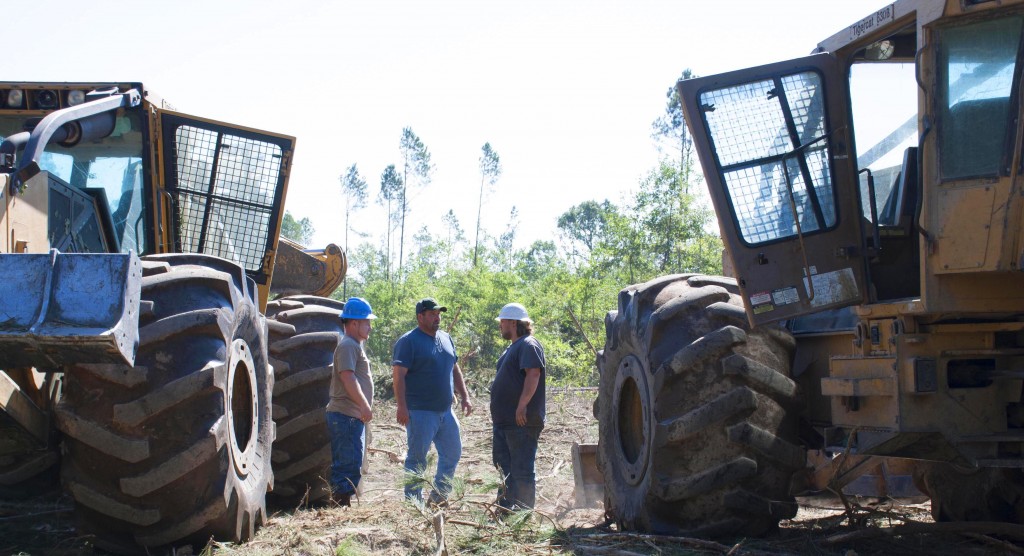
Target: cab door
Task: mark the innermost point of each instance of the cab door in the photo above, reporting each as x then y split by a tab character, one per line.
776	149
227	187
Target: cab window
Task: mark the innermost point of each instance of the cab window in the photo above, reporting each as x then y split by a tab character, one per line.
883	101
977	65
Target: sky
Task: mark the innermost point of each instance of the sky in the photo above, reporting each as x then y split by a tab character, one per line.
565	91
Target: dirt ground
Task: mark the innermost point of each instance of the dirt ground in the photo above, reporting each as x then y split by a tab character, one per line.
380	522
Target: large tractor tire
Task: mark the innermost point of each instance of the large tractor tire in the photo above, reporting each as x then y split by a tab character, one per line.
696	412
963	494
175	450
304	334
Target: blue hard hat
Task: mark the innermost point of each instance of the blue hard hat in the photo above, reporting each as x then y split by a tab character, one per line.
357	308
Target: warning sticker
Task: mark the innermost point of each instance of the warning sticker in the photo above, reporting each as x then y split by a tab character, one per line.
833	287
760	298
761	302
785	296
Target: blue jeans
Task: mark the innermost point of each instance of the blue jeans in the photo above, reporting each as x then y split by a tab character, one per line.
348	438
442	429
514	450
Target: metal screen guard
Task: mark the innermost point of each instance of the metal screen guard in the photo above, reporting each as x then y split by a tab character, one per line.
226	185
754	128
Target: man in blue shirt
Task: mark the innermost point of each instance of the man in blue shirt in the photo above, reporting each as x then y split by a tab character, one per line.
426	376
517	408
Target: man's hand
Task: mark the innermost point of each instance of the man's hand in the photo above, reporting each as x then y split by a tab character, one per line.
529	389
365	414
521	415
467	406
402	415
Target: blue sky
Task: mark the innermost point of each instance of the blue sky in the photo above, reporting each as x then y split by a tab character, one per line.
564	90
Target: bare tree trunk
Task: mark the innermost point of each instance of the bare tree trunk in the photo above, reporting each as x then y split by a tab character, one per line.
344	284
479	210
387	254
401	240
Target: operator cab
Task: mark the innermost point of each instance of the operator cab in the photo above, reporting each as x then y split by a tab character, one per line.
97	198
816	165
130	175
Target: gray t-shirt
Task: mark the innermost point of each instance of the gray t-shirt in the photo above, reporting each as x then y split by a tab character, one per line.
350	357
524	353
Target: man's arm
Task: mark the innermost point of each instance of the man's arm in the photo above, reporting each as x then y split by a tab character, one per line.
355	393
398	382
529	389
460	389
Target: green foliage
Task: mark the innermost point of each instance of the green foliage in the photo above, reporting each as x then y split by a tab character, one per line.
568	285
585	224
539	276
348	547
299	231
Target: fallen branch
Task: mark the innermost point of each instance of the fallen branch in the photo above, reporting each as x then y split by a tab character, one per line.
392	457
1009	547
23	516
554	471
685	541
438	523
605	551
471	524
455	319
582	332
916	528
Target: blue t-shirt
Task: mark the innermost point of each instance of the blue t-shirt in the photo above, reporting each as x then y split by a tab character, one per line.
524	353
430	360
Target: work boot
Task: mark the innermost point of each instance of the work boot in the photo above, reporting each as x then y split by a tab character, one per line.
437	499
342	499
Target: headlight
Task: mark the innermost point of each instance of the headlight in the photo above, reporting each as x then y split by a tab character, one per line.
76	97
15	98
45	100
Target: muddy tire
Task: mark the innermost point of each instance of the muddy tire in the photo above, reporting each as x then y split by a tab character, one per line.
960	494
304	334
697	433
176	449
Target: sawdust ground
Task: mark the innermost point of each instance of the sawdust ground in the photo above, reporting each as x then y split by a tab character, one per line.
381	522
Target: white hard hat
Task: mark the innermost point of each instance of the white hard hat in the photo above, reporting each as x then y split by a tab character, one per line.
514	311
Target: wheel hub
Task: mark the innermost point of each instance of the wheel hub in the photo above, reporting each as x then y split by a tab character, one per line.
241	407
632	419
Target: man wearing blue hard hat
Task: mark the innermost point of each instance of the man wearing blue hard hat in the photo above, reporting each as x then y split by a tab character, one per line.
349	410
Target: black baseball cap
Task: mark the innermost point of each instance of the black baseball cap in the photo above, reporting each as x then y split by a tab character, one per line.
429	304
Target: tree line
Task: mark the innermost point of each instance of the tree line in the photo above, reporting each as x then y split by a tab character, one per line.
568	283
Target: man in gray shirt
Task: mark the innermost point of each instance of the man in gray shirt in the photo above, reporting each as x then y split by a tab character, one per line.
517	408
351	397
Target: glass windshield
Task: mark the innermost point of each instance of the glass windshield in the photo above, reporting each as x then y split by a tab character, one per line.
769	137
976	64
109	169
883	100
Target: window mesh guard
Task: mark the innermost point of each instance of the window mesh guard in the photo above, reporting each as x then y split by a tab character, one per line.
762	133
225	194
